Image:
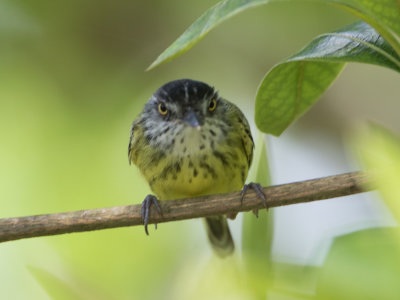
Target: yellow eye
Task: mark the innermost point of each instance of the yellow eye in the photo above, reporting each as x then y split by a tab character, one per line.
162	109
212	105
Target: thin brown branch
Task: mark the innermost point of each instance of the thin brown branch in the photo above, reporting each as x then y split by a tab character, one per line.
111	217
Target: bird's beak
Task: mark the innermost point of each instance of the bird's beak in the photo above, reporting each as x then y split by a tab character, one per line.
193	119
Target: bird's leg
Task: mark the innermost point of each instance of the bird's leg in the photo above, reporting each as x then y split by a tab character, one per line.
146	205
259	191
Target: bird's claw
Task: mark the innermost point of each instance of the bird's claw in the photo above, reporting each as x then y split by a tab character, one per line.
146	205
259	191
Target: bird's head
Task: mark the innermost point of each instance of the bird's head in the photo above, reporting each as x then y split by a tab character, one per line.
187	102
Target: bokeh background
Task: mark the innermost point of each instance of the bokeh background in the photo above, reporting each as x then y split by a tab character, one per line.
72	80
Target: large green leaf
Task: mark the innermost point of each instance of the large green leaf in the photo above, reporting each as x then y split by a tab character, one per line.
292	86
384	16
288	90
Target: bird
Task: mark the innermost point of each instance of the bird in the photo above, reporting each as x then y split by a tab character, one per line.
190	142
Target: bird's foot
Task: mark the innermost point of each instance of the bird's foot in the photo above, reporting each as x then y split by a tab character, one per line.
146	205
259	191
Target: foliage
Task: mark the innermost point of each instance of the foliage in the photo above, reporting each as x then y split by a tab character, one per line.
291	87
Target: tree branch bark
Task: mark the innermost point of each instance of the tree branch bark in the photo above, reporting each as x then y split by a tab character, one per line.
182	209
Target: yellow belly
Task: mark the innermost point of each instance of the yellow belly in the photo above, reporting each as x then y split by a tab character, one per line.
196	177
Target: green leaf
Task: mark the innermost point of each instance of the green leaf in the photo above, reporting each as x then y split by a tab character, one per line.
292	86
257	232
54	286
215	15
288	90
380	152
384	16
362	265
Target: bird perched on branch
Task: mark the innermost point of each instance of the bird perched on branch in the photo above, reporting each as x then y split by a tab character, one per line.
190	142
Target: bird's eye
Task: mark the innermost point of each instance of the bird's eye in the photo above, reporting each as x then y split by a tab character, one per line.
212	105
162	109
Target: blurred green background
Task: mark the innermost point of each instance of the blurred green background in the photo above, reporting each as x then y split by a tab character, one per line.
71	82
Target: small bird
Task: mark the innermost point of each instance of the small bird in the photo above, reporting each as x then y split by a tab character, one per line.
190	142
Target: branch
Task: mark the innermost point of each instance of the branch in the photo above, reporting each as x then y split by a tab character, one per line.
182	209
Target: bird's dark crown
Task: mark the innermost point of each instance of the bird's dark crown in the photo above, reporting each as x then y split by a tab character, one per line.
184	91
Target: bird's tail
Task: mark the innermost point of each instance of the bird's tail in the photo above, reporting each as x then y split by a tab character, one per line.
219	235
